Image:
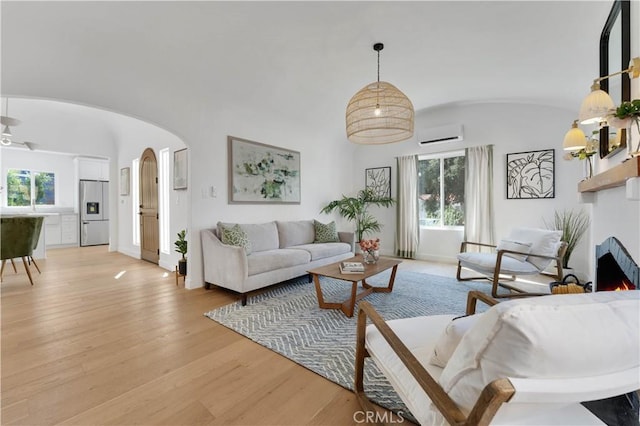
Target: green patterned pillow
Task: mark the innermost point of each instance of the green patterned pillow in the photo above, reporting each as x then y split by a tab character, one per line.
235	236
325	233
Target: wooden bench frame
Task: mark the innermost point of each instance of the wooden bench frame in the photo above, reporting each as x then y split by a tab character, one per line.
490	400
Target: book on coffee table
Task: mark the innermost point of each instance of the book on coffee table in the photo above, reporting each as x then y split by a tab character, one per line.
351	267
350	271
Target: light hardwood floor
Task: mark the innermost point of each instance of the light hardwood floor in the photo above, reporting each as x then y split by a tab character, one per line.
102	338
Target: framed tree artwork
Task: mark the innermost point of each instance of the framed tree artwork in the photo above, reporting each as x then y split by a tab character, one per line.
531	174
378	180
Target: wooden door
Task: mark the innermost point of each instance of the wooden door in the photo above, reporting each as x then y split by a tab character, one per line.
149	229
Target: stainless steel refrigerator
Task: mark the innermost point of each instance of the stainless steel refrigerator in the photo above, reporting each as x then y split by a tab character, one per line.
94	212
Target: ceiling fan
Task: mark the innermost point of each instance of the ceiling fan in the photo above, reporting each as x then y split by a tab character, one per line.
8	122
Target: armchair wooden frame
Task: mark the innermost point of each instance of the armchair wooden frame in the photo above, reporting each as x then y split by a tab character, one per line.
495	277
487	405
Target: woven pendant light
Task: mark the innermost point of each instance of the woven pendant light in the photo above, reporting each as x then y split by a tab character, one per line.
379	113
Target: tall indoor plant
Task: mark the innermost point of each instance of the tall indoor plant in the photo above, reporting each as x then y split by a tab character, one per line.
181	247
573	225
355	209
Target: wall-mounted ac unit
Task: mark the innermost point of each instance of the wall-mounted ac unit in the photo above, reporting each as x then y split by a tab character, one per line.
448	133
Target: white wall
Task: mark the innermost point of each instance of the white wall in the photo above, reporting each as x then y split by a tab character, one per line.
133	137
326	165
68	130
613	214
510	128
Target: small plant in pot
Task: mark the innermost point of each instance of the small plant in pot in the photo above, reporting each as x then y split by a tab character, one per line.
181	247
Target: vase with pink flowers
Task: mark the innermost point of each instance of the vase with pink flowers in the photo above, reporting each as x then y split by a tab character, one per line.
370	250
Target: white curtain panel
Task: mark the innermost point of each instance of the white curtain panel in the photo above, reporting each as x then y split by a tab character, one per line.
478	192
407	226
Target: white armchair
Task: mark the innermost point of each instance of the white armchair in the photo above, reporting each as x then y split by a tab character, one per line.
525	361
526	251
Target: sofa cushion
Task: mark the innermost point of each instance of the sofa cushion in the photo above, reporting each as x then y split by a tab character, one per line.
235	236
515	246
594	332
270	260
450	338
294	233
263	236
323	250
325	233
543	241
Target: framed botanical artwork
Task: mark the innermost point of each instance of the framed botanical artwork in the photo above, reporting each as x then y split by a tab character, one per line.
262	174
125	180
180	169
378	180
531	174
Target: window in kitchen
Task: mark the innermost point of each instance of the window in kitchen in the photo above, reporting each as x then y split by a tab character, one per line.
28	187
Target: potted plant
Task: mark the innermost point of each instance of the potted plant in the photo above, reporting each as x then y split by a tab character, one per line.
181	247
586	154
355	209
573	226
626	113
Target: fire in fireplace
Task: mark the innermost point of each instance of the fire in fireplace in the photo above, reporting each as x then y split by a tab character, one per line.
615	268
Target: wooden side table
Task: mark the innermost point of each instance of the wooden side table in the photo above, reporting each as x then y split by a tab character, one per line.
178	275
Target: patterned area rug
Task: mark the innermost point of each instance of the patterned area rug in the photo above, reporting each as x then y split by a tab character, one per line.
287	320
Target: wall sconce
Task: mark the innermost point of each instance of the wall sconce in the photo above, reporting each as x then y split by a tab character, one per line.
574	139
598	104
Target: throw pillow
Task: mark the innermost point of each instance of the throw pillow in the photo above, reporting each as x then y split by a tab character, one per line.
326	233
450	338
543	242
235	236
515	246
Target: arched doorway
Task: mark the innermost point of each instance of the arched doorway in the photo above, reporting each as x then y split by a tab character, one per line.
149	229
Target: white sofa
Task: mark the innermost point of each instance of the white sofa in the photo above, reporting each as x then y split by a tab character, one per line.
526	361
280	250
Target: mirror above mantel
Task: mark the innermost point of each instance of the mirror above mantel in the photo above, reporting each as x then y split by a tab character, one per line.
615	54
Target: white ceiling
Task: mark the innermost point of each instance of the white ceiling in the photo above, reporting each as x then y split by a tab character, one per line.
168	61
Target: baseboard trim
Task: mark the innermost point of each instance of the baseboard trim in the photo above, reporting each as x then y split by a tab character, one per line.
439	259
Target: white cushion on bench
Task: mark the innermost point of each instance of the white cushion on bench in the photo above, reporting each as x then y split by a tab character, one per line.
420	340
486	263
547	337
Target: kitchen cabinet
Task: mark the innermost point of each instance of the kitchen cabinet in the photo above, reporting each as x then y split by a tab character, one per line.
52	229
61	229
69	229
93	169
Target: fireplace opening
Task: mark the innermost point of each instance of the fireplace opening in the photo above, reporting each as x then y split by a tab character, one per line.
615	268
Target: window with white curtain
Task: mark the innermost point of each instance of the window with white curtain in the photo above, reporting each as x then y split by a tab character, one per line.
441	189
135	200
163	199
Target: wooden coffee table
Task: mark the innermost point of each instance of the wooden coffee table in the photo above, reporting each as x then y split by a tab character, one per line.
333	271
